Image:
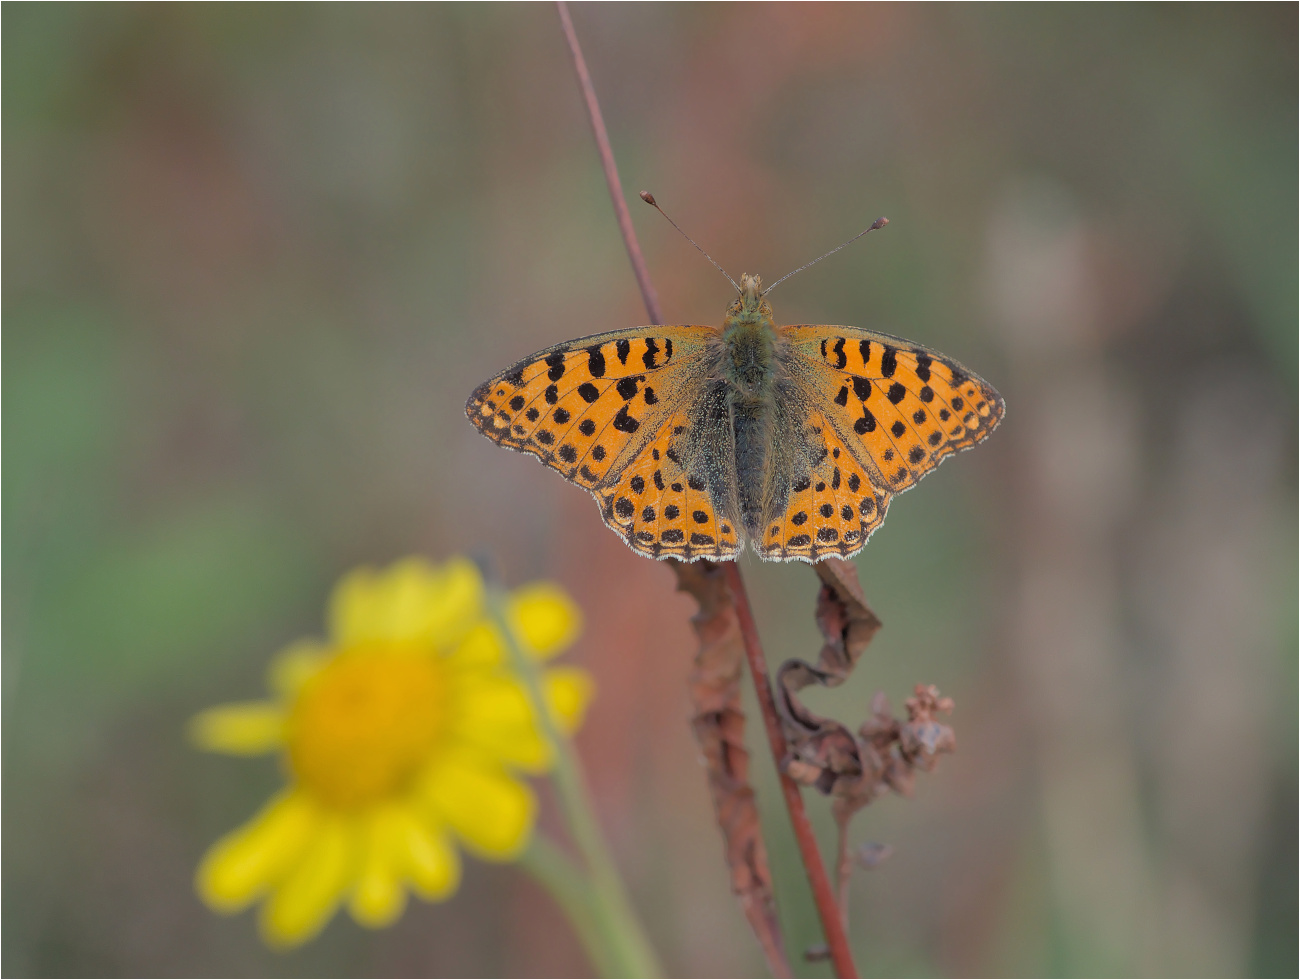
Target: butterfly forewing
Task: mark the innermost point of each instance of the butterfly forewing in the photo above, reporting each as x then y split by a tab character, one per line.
602	410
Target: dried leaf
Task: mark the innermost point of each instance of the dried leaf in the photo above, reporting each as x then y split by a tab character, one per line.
719	726
884	754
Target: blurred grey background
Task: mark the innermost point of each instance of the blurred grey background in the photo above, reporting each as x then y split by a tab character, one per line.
255	257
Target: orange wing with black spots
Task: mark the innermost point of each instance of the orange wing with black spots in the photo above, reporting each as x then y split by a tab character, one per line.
612	413
888	412
663	503
831	510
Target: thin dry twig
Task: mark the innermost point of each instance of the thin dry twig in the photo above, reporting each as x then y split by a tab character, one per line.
827	907
833	923
639	267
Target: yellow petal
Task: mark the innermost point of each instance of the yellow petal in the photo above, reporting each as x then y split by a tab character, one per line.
303	902
294	666
410	601
379	896
494	713
544	618
429	859
243	728
482	648
568	691
490	811
244	863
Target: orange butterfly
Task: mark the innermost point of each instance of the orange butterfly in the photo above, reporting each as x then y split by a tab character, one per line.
694	440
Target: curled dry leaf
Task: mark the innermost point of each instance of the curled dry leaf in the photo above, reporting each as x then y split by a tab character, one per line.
883	754
854	768
719	726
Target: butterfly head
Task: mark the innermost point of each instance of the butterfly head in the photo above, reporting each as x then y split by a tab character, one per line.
749	307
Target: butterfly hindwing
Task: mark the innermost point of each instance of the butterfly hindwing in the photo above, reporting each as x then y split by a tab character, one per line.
603	410
668	501
830	509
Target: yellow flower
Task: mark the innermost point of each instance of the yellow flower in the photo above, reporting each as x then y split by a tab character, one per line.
402	737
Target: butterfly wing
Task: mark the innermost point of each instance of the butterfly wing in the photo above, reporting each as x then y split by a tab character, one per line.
626	415
881	413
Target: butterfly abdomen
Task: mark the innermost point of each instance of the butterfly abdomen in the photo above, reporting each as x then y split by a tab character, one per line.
750	369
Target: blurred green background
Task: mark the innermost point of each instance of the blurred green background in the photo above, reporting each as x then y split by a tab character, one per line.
255	258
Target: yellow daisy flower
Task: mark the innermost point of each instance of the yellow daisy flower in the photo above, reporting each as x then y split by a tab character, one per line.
402	737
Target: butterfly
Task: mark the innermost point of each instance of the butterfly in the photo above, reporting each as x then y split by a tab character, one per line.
694	440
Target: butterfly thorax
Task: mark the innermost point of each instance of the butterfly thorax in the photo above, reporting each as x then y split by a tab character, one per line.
750	338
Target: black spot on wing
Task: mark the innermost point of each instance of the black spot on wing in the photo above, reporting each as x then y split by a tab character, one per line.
622	348
889	361
625	422
595	361
556	364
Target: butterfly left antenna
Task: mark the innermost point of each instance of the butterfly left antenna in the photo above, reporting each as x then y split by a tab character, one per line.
878	223
650	200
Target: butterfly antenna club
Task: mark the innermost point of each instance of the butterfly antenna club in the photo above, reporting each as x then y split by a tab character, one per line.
650	200
878	223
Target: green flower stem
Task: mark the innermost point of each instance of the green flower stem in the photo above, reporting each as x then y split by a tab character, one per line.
628	953
573	893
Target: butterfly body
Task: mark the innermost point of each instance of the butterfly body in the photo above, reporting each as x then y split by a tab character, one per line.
694	440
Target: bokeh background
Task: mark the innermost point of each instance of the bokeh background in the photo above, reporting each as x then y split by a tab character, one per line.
255	258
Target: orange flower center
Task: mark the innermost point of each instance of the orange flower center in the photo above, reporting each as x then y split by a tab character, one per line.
364	724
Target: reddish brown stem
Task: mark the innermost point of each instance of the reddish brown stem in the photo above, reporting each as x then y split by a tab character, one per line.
621	212
837	940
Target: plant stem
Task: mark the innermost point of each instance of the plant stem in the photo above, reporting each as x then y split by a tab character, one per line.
837	941
639	268
832	924
628	951
569	887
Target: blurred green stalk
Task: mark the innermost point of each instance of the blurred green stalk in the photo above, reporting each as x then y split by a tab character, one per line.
594	899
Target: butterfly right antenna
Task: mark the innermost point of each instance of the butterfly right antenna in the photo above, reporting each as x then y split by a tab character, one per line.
650	200
878	223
